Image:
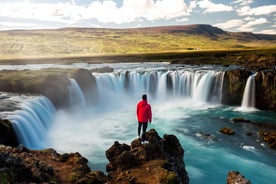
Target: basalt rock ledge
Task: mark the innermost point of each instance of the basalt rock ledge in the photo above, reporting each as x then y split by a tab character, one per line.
158	161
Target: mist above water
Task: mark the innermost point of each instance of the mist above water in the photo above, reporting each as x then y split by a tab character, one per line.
185	102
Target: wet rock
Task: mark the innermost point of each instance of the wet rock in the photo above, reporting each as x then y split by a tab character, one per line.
234	177
55	88
20	165
7	134
269	137
226	130
102	70
265	83
158	161
233	87
87	83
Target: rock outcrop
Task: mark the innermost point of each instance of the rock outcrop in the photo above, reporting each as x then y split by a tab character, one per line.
158	161
49	82
234	177
7	134
87	83
233	87
266	90
20	165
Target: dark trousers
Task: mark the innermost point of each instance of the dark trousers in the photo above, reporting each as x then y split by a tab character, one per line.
144	126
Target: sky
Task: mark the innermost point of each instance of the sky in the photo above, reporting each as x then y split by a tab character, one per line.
257	16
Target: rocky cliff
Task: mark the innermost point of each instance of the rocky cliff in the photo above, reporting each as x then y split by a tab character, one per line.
265	82
158	161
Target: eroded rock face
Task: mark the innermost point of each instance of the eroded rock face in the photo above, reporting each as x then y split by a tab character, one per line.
20	165
234	177
158	161
87	83
55	88
7	134
233	87
266	90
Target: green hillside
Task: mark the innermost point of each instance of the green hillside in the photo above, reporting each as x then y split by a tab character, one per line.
76	42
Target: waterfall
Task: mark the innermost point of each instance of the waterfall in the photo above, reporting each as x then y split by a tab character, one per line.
200	86
248	100
116	90
32	121
77	99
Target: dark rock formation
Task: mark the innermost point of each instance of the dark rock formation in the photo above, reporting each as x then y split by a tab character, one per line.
50	83
87	83
102	70
20	165
158	161
226	130
266	90
266	131
7	134
234	177
269	137
55	88
233	87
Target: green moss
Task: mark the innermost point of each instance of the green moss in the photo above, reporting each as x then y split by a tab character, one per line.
171	178
5	178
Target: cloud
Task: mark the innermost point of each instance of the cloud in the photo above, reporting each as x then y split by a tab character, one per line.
106	11
269	31
245	25
243	2
230	24
261	10
249	26
211	7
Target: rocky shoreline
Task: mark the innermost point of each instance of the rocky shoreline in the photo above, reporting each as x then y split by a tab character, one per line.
161	160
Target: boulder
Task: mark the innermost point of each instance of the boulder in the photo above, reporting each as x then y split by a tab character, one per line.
226	130
234	177
158	161
269	137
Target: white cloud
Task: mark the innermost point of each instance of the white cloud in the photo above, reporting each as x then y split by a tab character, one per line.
269	31
243	2
211	7
249	26
106	11
230	24
182	20
261	10
242	25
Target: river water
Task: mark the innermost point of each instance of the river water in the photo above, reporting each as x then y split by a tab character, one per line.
185	102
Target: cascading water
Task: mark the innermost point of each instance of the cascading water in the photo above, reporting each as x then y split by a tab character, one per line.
31	123
248	100
176	97
77	99
162	85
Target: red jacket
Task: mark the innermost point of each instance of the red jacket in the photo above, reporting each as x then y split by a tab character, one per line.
143	112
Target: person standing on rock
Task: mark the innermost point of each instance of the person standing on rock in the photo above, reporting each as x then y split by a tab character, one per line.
144	115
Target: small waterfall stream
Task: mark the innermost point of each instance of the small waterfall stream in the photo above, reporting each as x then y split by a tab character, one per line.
248	100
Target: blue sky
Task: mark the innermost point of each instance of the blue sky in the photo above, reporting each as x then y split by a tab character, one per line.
258	16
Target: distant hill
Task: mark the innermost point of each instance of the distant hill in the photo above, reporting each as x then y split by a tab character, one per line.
75	42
